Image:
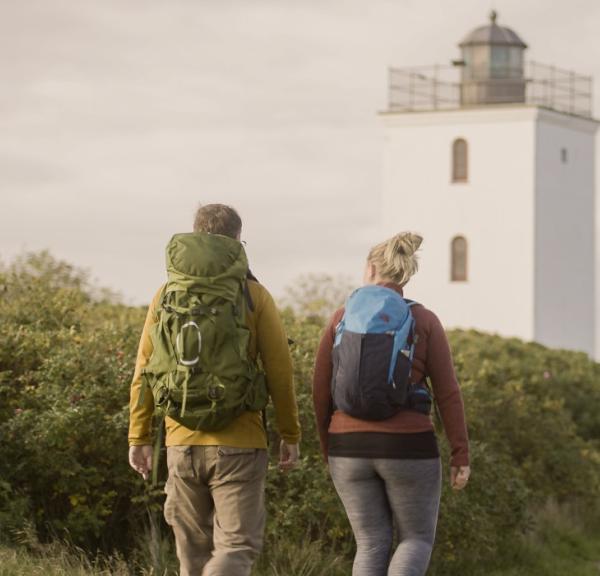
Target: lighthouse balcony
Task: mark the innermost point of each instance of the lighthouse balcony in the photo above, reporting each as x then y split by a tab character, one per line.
429	88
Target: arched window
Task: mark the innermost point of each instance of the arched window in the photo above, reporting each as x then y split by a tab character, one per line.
460	157
458	265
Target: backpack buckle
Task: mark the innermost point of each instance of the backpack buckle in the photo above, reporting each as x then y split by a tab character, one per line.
180	344
216	392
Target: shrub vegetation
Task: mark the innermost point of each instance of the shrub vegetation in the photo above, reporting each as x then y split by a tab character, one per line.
67	354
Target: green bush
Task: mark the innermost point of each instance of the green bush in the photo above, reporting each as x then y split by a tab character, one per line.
67	354
535	405
291	509
66	362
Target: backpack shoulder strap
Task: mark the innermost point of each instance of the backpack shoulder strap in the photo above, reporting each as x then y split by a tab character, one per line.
248	296
160	300
250	303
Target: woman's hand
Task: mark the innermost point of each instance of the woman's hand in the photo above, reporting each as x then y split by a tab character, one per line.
459	476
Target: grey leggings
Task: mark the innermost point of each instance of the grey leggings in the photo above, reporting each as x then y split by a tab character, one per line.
374	491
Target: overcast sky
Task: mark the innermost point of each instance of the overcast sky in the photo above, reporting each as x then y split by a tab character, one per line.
118	117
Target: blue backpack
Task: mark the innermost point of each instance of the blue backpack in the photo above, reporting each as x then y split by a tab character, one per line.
372	356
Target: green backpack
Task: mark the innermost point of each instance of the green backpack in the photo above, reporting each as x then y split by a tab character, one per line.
200	372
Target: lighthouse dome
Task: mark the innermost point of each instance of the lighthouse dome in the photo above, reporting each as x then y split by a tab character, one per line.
492	35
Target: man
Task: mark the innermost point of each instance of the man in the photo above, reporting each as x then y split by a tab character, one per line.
215	487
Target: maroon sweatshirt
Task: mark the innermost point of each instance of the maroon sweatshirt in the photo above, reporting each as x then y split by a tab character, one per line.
432	358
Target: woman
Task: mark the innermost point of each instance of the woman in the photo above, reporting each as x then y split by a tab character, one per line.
386	470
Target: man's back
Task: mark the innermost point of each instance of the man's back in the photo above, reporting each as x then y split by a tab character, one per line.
268	341
216	482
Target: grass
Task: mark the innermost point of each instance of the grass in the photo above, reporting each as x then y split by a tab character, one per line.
311	559
560	545
57	560
61	560
558	554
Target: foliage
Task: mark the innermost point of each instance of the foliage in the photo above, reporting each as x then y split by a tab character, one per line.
317	295
66	359
65	366
290	511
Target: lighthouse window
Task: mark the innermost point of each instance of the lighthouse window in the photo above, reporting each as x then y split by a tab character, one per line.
564	156
459	259
500	62
459	160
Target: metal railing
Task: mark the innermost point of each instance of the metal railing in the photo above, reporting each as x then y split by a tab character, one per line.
423	88
559	89
429	88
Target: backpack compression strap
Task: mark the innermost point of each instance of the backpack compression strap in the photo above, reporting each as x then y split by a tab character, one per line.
400	337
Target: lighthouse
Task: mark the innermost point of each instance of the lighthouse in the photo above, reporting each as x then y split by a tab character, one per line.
491	159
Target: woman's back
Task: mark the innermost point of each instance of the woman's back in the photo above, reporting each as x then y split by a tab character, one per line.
389	469
432	359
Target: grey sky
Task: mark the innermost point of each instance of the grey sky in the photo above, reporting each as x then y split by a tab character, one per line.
117	117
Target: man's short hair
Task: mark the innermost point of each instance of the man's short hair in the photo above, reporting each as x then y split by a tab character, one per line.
218	219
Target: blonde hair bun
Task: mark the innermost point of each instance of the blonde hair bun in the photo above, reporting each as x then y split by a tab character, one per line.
405	243
395	259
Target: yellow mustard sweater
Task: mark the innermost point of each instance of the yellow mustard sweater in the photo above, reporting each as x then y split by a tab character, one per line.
268	340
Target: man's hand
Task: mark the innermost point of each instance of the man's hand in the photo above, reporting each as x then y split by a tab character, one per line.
288	456
459	476
140	459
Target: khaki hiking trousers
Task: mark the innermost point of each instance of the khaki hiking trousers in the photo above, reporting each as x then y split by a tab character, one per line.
215	505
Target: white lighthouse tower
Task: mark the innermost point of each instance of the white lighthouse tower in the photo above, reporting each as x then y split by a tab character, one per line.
492	161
